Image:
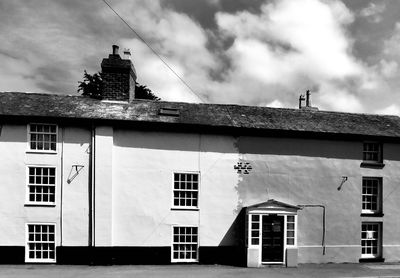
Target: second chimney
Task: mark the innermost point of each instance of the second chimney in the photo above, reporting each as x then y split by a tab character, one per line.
119	77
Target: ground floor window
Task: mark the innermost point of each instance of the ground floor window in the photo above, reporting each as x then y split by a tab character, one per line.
185	244
41	244
371	240
255	229
290	230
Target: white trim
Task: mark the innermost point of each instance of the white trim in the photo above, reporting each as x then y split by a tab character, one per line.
278	212
198	190
172	245
28	140
378	240
35	203
268	211
27	259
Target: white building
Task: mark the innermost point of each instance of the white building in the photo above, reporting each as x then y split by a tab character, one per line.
133	181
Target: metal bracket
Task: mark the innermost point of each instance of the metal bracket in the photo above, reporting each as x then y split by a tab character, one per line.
344	179
77	169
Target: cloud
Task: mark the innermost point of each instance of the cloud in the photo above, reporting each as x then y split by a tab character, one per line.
389	68
290	46
264	55
275	104
390	110
373	11
277	53
392	44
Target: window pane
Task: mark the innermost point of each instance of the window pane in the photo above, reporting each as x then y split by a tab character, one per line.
40	242
43	137
371	195
185	243
185	190
370	239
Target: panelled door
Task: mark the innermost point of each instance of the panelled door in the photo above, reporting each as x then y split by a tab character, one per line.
272	238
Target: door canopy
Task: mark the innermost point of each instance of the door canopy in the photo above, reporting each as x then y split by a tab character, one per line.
272	207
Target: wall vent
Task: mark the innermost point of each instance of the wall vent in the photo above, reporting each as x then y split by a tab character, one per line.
168	111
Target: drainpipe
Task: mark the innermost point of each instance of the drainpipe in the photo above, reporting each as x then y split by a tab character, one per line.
91	238
62	184
323	223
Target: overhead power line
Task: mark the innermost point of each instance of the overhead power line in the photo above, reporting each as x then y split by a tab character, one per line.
154	52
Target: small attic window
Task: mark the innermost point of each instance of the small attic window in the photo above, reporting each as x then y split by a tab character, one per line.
168	111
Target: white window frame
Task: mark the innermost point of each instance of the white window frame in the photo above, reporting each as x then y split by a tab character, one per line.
34	260
295	231
173	260
258	230
198	190
29	138
259	245
28	185
378	196
379	152
378	241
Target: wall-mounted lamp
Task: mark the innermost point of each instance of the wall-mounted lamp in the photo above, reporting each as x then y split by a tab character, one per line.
344	179
72	175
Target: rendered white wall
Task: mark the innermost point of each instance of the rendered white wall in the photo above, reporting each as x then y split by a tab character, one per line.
14	213
75	194
103	185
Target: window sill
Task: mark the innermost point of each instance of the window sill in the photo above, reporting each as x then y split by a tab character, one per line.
371	164
39	205
371	260
183	208
378	214
41	152
40	261
184	261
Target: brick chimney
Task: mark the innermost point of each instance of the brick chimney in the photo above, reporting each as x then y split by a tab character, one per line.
119	77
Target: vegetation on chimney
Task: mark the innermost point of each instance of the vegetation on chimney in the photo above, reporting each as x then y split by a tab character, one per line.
92	86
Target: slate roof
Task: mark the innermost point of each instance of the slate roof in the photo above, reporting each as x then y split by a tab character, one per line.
216	116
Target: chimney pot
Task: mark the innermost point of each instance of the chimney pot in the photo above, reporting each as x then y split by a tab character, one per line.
308	99
115	49
127	53
301	99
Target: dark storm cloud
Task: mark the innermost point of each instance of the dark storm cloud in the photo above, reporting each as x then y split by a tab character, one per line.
204	11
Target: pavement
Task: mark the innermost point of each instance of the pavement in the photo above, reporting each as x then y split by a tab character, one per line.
199	271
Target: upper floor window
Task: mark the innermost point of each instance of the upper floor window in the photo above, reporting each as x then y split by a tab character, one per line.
43	137
41	185
186	190
372	152
371	195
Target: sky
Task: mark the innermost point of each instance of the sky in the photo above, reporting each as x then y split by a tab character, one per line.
247	52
